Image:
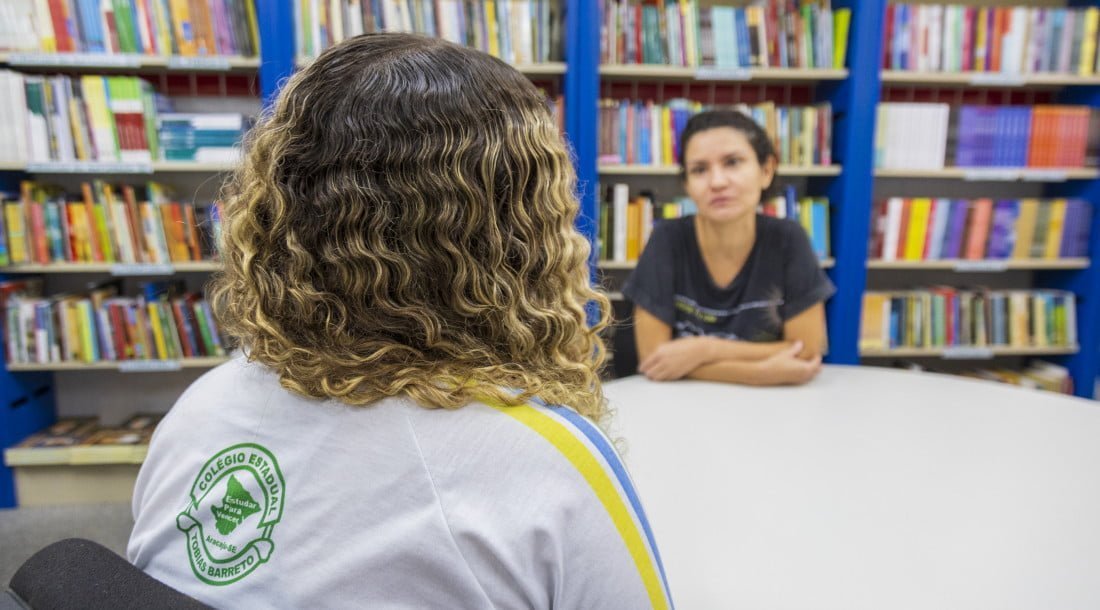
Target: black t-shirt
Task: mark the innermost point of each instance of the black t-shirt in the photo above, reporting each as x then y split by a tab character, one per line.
781	278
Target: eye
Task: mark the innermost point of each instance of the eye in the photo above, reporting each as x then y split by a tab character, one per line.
698	170
732	161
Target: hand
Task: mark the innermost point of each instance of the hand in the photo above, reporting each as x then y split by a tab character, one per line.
674	359
786	368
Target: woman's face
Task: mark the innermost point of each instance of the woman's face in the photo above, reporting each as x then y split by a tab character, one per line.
723	175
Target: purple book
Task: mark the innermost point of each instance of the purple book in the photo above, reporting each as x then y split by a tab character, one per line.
1001	229
956	229
967	140
1071	229
1021	133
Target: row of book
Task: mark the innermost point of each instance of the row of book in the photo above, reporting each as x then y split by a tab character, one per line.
924	228
163	323
648	133
517	31
928	136
942	316
1005	39
767	33
1037	375
626	222
105	224
186	28
112	119
85	440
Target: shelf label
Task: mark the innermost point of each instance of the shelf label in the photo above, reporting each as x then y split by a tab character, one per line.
132	269
198	63
967	352
992	174
149	366
712	73
991	265
84	60
999	79
1044	175
89	167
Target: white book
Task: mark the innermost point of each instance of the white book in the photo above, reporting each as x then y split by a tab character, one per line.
935	38
59	117
892	234
943	115
1065	48
619	202
335	21
521	14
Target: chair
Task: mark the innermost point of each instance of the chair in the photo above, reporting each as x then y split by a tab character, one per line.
77	573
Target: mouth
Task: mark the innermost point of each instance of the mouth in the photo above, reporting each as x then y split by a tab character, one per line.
721	201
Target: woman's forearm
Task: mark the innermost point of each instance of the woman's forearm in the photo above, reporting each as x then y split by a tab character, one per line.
732	371
732	350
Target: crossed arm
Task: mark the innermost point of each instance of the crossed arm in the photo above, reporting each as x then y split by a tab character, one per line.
795	360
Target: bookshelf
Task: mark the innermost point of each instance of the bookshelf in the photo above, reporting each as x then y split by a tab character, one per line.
29	392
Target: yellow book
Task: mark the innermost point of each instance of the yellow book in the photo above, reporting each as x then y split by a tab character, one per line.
687	17
491	27
102	128
1054	228
183	27
980	40
806	214
919	210
86	322
633	229
162	22
253	26
1025	228
872	334
17	232
158	332
1088	42
842	21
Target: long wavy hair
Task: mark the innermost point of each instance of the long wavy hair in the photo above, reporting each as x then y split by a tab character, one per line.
403	224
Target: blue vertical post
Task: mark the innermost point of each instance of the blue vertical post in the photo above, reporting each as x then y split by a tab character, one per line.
276	46
1083	366
854	102
581	90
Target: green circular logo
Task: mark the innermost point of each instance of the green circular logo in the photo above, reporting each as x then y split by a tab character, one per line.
236	501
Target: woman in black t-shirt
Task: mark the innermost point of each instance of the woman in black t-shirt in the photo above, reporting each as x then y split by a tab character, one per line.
728	294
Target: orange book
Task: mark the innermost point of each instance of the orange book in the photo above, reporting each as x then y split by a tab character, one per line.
978	232
1000	15
172	219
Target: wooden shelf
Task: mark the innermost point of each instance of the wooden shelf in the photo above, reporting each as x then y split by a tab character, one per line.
991	265
549	68
712	74
134	366
674	170
966	352
78	455
118	269
987	79
995	174
97	167
619	265
87	62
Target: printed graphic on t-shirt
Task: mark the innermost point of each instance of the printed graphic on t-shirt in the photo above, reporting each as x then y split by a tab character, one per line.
762	316
236	501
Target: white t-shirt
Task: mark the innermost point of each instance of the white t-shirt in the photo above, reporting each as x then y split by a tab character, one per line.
255	497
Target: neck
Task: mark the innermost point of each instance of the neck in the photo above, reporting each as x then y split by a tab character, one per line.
727	240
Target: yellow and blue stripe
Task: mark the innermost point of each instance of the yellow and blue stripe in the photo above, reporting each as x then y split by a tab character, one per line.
564	429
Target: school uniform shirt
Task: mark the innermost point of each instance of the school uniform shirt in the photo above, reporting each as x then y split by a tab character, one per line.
255	497
780	279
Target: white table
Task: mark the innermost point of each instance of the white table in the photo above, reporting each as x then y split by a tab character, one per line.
868	488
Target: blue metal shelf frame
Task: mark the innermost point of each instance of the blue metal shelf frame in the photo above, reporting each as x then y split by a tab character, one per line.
854	101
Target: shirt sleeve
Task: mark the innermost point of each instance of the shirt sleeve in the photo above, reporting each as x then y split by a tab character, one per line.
805	283
651	285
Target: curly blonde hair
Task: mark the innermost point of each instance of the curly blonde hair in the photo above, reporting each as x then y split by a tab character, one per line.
403	223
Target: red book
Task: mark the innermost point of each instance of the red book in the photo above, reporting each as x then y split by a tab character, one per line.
903	234
981	216
968	37
59	17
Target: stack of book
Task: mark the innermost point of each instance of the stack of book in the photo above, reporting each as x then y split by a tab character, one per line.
943	229
164	323
648	133
204	138
1013	40
771	33
517	31
943	317
926	136
105	224
84	440
147	27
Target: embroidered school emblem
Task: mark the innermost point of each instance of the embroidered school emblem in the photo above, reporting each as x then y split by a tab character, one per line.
236	501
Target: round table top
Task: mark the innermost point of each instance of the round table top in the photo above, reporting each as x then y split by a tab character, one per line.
867	488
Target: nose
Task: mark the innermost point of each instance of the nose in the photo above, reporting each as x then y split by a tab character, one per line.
718	178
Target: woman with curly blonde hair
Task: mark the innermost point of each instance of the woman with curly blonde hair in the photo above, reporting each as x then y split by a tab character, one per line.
403	274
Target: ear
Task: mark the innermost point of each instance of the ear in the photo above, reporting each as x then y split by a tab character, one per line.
769	168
